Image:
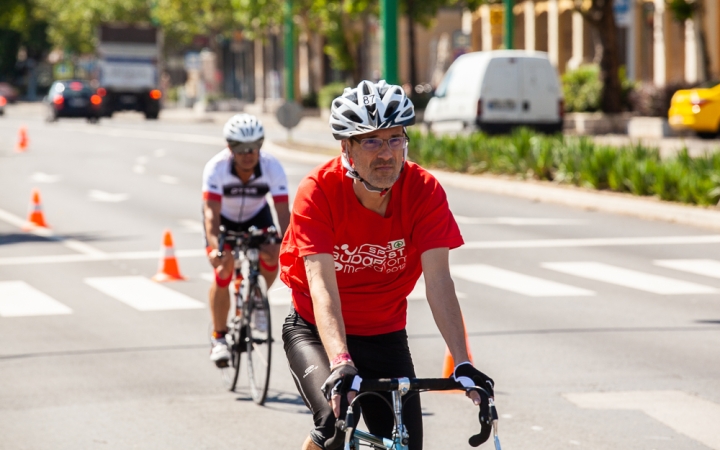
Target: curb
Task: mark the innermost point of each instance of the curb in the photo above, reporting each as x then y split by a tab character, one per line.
603	201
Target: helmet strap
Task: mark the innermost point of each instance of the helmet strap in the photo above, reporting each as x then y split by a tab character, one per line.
352	173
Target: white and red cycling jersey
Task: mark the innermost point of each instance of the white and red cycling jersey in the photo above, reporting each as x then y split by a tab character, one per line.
240	201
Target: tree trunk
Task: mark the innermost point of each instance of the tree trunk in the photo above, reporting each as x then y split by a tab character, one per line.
610	62
411	44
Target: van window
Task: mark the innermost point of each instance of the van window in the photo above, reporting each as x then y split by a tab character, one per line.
442	88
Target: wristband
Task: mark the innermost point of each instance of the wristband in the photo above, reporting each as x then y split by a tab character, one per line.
341	359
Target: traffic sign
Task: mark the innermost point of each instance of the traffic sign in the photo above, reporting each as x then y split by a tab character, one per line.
289	114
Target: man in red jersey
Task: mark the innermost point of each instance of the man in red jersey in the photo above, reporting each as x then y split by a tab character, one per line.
364	227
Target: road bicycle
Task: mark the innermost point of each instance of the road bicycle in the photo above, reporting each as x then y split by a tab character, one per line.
249	327
399	387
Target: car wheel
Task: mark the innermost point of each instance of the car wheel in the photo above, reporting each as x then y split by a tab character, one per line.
152	115
93	119
707	135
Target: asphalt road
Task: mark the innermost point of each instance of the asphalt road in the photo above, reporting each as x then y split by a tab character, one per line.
597	337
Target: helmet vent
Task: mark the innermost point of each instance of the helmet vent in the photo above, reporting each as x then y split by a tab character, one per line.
391	108
352	116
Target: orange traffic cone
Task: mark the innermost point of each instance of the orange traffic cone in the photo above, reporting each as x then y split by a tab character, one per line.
168	270
35	215
22	140
449	363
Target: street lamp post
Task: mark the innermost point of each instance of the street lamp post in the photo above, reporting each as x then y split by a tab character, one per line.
289	41
509	23
388	22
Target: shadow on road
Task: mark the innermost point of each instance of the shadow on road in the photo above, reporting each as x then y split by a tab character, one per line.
102	351
22	238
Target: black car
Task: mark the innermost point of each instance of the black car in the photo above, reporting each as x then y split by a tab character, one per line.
73	98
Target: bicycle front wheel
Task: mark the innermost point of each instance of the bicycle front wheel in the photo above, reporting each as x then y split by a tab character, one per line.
259	341
236	342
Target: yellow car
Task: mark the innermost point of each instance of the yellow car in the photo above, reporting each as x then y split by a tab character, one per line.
696	109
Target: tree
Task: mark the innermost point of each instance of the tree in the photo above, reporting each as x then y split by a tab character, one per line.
423	12
682	11
20	27
601	17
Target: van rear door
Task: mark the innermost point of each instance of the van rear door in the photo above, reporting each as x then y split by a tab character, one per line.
540	91
500	90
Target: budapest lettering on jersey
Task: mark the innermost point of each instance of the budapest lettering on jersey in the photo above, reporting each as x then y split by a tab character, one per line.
385	259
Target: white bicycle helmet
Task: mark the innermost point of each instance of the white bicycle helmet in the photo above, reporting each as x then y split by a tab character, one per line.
244	128
370	107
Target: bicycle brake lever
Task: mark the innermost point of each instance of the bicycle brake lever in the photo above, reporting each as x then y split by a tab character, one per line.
488	425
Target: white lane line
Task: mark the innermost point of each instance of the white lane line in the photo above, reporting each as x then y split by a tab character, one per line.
516	282
694	417
101	256
707	267
19	299
517	221
279	294
72	244
143	294
629	278
594	242
41	177
82	247
102	196
169	179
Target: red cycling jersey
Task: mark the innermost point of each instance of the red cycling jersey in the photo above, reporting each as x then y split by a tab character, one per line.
377	259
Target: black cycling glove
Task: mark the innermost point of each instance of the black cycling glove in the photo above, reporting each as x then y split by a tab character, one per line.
467	375
342	380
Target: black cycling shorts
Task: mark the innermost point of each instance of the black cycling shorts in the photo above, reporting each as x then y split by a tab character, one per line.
261	220
380	356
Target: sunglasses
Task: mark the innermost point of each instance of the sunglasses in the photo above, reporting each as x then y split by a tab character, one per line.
375	144
244	148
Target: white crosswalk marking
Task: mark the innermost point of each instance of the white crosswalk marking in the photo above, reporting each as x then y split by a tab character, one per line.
19	299
516	282
629	278
143	294
279	294
707	267
692	416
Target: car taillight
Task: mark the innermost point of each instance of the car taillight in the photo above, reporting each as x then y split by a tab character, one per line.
479	108
58	100
96	100
76	86
155	94
3	101
561	109
102	92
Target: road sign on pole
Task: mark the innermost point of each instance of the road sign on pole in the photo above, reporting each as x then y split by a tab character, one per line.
509	24
389	46
289	31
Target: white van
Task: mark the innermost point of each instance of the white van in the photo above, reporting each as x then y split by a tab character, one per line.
497	91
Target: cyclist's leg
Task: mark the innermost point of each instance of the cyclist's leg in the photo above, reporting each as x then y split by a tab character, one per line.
219	294
268	253
387	356
310	367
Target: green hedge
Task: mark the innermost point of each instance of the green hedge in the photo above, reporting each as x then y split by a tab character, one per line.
575	160
328	93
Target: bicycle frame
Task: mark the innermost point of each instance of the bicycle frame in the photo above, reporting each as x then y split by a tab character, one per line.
398	388
400	436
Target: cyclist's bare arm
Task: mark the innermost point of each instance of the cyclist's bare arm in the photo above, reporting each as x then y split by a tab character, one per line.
211	213
320	271
283	214
444	304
